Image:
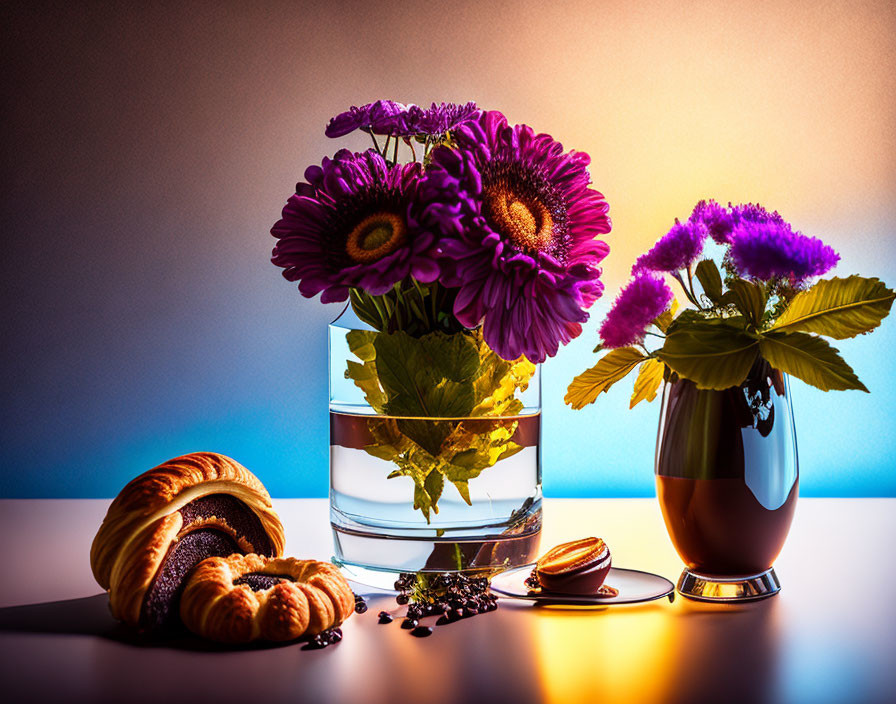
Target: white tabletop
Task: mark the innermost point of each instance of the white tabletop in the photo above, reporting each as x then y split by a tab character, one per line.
828	636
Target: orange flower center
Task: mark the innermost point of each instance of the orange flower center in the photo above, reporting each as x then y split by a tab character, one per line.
376	236
527	221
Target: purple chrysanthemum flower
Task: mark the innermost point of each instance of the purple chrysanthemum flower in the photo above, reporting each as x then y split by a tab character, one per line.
519	237
638	304
438	119
677	249
355	224
381	117
765	250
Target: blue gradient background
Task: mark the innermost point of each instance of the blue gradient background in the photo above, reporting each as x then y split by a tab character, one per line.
148	152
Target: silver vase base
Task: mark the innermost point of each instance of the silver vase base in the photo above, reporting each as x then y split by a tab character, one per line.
728	589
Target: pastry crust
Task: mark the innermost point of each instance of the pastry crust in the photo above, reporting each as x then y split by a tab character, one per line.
144	521
313	597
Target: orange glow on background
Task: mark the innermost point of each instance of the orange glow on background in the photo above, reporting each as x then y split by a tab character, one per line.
152	147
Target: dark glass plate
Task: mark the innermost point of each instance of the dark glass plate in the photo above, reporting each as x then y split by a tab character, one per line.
634	587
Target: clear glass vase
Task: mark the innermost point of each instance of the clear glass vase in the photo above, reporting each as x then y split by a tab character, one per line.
727	482
435	459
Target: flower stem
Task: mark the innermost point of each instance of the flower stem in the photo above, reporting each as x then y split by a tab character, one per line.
384	317
691	286
375	143
677	276
395	152
422	295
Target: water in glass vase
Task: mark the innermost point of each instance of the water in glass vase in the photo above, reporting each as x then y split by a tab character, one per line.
487	509
434	452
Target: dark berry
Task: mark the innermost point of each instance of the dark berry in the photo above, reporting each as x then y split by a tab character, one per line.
385	617
402	599
422	631
409	623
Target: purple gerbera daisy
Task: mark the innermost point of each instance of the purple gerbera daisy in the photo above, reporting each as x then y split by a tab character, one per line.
677	249
439	119
381	117
638	304
519	236
766	250
354	224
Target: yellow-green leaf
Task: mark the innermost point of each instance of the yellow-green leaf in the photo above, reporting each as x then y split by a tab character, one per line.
710	279
360	343
749	298
612	367
838	308
714	353
809	358
664	319
365	378
650	376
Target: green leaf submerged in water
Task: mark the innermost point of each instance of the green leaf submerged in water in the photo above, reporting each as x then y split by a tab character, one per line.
441	399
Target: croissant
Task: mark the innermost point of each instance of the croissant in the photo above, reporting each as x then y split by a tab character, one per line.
242	598
167	520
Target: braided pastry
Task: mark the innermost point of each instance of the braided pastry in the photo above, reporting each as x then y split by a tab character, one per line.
170	518
243	598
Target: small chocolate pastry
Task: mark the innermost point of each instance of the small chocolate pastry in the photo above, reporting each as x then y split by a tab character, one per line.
167	520
243	598
579	567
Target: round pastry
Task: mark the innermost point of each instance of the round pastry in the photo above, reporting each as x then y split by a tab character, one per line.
243	598
167	520
578	567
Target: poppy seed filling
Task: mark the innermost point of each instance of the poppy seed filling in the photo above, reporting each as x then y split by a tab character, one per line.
258	582
160	604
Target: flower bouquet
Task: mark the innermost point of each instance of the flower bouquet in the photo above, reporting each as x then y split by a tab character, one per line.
726	461
763	309
467	249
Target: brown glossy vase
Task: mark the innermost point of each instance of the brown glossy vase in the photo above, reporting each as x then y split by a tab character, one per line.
727	482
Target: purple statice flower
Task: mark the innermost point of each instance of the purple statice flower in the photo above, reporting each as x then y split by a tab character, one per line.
355	224
716	219
766	250
677	249
519	226
439	119
755	213
720	222
638	304
380	117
